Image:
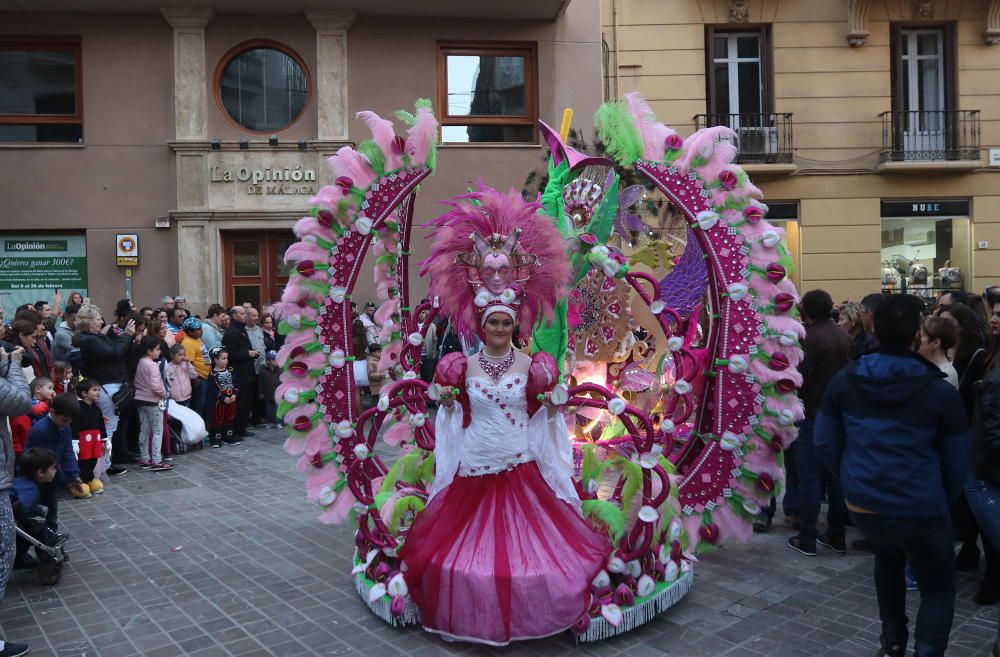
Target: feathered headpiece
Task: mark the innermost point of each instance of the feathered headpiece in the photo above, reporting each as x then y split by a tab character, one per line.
494	252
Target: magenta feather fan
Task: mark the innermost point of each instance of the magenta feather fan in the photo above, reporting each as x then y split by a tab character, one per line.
485	212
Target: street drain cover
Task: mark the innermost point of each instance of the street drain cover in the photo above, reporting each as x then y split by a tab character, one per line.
153	483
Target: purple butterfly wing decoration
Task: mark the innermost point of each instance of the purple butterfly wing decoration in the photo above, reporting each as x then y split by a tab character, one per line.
682	289
627	221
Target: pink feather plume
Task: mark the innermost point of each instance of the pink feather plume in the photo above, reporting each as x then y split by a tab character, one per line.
654	134
496	213
383	134
422	136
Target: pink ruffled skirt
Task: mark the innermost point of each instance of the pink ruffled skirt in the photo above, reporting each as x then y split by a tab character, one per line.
499	558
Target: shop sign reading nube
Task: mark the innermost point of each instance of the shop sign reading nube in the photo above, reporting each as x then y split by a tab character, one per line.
33	266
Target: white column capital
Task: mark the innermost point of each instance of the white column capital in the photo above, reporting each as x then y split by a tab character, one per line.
992	33
329	20
188	18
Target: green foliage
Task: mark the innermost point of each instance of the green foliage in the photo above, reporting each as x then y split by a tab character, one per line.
608	514
618	132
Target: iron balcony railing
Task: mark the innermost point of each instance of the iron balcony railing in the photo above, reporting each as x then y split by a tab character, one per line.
930	135
760	138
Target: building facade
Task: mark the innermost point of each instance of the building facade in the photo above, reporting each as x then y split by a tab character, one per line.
872	126
196	135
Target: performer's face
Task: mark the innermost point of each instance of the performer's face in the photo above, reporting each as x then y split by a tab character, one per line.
498	330
496	273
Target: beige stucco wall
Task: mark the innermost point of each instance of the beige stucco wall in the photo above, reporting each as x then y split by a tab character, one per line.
835	93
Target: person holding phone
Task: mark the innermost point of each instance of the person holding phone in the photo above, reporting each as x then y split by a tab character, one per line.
102	353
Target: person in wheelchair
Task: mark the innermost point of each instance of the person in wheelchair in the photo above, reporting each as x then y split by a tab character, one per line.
38	468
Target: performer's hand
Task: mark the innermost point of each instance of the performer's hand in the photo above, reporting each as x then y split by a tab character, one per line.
547	402
446	396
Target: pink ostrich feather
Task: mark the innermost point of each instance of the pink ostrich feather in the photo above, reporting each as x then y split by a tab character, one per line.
309	226
312	442
340	508
731	526
390	356
293	340
383	134
348	162
654	134
696	143
722	158
495	213
781	323
397	434
328	196
422	136
386	310
300	251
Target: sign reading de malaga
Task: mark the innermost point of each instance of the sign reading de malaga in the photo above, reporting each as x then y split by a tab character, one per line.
32	267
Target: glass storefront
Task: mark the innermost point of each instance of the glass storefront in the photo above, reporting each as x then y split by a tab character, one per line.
926	247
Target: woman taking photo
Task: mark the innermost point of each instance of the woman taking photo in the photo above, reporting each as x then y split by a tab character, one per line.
103	356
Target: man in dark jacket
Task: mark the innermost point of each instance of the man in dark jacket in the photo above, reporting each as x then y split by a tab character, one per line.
241	359
894	429
826	350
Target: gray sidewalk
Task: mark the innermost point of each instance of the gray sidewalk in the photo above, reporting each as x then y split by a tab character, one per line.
224	558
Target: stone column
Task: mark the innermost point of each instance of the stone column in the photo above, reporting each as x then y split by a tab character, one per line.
331	27
190	76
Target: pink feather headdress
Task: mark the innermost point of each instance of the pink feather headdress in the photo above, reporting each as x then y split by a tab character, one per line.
494	252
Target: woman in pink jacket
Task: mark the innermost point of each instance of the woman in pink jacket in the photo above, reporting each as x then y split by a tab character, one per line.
150	400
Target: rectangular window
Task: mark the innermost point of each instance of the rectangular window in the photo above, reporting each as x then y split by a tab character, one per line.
738	71
739	79
487	93
925	123
40	91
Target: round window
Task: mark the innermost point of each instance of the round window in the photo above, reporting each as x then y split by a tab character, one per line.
262	86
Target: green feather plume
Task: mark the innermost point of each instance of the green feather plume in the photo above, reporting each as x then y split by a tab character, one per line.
617	131
608	514
375	156
406	469
401	507
632	472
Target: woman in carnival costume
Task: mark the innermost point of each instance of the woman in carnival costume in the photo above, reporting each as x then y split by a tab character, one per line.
501	551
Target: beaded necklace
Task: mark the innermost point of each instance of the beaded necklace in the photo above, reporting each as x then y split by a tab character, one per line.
496	367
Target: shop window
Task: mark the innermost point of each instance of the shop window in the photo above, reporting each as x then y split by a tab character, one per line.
925	253
785	215
487	93
40	91
262	86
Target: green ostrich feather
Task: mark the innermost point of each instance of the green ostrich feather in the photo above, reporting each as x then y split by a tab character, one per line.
592	466
617	131
603	221
552	337
381	498
400	509
632	472
406	469
427	469
608	514
375	156
613	430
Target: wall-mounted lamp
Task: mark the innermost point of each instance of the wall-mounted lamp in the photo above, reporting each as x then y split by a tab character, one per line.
273	140
303	145
216	144
244	144
162	222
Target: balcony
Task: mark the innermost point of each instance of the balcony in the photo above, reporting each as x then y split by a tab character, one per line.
930	141
763	141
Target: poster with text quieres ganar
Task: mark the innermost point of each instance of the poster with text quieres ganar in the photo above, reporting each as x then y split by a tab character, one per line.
32	267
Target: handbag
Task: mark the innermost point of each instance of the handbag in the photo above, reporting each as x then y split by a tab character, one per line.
123	397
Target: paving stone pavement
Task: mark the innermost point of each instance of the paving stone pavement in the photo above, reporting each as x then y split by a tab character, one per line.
223	557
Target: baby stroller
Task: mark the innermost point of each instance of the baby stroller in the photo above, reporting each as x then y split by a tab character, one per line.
49	547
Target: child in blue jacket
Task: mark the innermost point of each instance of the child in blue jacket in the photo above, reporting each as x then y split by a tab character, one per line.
53	433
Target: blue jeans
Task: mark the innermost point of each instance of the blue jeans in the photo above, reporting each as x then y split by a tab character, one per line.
928	544
197	401
984	499
810	472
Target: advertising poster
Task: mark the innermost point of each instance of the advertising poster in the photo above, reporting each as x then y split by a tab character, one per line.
32	267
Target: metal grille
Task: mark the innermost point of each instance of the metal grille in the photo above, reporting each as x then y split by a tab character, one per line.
758	138
153	482
930	135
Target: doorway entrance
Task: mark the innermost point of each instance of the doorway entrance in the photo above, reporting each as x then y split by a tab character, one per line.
253	262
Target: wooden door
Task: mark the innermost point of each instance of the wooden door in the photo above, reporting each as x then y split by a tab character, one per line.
253	262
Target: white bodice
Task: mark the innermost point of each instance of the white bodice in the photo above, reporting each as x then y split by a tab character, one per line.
497	436
502	435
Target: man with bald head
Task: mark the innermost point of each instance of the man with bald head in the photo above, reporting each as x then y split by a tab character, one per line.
242	356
